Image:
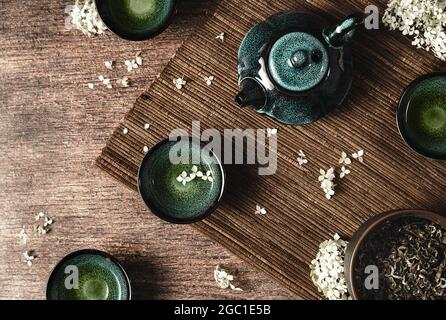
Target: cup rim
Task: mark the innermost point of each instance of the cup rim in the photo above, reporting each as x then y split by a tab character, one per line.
401	112
368	227
109	23
170	219
92	252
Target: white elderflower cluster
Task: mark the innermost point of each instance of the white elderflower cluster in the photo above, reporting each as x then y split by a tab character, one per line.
224	279
185	178
327	270
327	182
424	20
85	17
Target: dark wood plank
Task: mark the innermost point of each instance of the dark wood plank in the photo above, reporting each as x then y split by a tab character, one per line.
53	127
283	242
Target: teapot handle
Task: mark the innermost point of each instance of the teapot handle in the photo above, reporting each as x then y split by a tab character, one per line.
342	34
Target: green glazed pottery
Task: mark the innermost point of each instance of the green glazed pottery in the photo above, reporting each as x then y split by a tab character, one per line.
99	277
184	192
136	19
421	116
296	68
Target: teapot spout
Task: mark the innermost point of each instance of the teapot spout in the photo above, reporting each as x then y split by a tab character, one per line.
251	94
342	35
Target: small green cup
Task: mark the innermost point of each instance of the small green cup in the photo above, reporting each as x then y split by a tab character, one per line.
181	193
136	20
88	275
421	116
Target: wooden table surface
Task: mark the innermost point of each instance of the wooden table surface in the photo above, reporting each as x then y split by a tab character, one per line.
52	127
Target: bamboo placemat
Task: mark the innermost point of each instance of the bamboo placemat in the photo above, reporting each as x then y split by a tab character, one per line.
284	241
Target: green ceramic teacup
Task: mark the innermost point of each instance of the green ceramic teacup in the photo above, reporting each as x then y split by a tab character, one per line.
184	192
136	19
421	116
88	275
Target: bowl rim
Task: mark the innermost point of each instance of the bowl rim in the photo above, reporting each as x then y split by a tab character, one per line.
402	109
370	225
132	37
170	219
92	252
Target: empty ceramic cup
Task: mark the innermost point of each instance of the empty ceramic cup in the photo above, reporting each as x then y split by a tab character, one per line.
88	275
136	19
421	116
183	192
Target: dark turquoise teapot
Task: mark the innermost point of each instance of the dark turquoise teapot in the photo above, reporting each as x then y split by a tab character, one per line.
295	68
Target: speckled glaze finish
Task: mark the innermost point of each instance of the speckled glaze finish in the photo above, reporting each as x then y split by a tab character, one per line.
421	116
295	68
170	199
136	19
101	277
298	61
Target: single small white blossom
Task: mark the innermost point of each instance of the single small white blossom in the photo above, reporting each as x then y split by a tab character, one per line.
90	85
147	126
209	80
179	83
183	178
125	131
23	237
145	149
344	172
301	159
28	258
359	155
109	64
260	210
345	159
124	82
221	36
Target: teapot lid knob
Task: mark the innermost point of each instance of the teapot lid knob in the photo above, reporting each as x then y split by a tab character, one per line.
299	59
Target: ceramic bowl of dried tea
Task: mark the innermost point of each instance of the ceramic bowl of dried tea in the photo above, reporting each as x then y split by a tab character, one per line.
398	255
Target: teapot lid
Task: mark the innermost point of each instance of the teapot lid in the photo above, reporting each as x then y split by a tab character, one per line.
298	61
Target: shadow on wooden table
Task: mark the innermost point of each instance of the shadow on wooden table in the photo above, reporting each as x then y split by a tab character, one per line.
144	277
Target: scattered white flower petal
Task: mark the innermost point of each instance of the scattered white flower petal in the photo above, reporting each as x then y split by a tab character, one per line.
302	159
23	237
260	210
124	82
147	126
40	215
28	258
359	155
109	64
125	131
90	85
344	172
145	149
221	36
179	83
209	80
345	159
